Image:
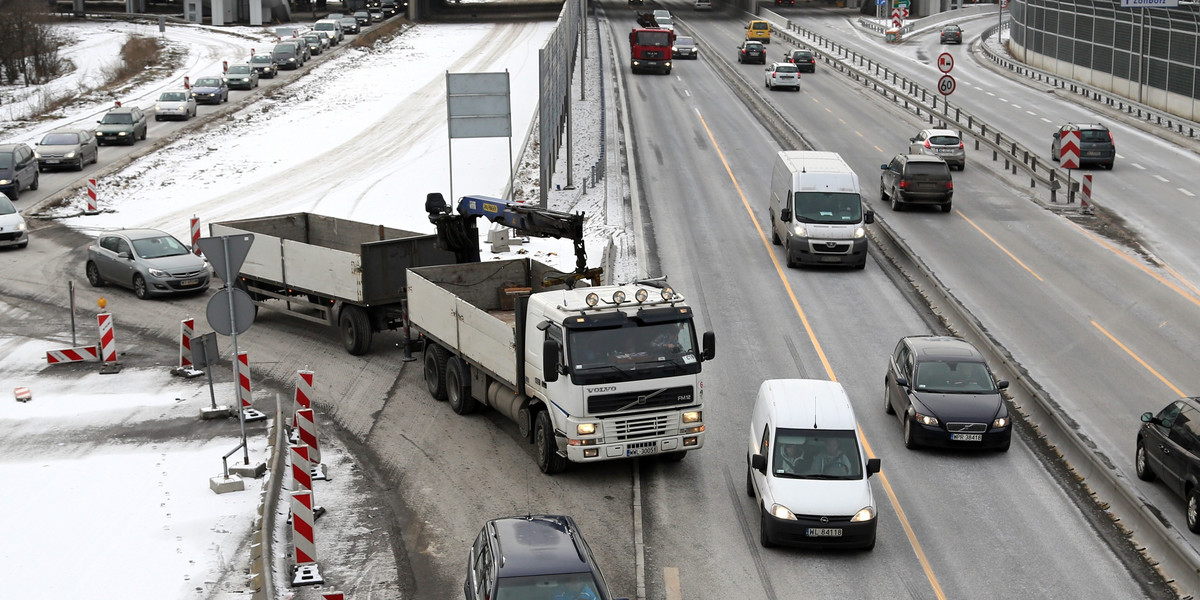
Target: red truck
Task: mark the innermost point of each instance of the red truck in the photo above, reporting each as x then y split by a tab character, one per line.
650	47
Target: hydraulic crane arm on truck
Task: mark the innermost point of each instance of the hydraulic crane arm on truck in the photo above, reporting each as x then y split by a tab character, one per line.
458	233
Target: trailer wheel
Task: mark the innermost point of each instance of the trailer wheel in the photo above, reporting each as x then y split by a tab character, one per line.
548	458
355	327
458	387
435	371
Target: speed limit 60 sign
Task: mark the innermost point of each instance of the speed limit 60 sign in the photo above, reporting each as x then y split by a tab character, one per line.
946	85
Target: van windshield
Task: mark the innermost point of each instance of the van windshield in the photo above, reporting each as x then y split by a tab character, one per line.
826	207
816	454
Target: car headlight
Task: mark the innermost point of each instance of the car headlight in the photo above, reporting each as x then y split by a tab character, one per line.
864	514
70	154
925	419
5	181
158	273
860	232
1001	422
691	416
781	512
585	428
800	230
120	133
21	226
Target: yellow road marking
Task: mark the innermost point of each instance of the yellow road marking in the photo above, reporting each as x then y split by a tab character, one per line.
999	245
887	486
671	578
1144	364
1143	268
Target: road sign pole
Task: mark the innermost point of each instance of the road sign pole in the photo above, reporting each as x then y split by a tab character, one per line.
237	376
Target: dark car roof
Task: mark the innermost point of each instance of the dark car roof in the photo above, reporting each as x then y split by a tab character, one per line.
1083	126
941	348
538	545
912	158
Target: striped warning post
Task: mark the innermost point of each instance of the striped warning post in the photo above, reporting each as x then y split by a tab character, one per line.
333	596
195	223
302	528
91	202
244	379
69	355
108	342
22	394
187	330
301	476
1087	191
304	391
307	424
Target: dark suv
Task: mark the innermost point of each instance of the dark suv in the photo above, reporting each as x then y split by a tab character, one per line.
750	51
1096	145
18	169
804	60
534	556
916	179
1168	445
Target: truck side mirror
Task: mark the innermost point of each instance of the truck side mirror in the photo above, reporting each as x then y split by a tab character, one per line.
710	345
550	361
873	465
759	463
785	215
869	217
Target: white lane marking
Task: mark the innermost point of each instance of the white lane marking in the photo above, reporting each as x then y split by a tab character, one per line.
1162	179
671	581
1045	119
1186	193
1031	113
1138	166
991	94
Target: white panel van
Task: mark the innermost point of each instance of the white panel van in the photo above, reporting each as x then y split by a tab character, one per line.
817	211
807	467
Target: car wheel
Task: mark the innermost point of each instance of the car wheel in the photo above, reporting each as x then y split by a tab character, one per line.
1053	154
458	387
909	441
139	287
143	138
887	401
1006	445
96	155
869	546
764	538
962	166
787	256
158	117
1193	511
883	195
1144	472
947	206
897	205
435	371
36	177
355	327
548	458
93	275
79	167
749	480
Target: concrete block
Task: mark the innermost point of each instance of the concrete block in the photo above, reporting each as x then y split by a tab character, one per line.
253	470
309	574
251	415
221	484
187	372
220	412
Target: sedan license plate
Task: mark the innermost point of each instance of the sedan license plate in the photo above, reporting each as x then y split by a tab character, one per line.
823	532
967	437
189	282
642	450
1093	153
52	161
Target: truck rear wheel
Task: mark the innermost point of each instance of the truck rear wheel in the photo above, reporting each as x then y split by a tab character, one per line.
458	387
435	371
548	458
355	327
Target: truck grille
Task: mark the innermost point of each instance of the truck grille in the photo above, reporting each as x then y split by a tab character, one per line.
639	401
643	427
652	54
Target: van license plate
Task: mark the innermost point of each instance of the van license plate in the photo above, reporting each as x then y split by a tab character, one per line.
831	259
967	437
824	532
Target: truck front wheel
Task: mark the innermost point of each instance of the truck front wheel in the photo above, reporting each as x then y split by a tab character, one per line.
355	327
458	387
435	371
548	458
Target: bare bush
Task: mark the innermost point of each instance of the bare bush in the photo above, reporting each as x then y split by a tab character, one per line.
28	46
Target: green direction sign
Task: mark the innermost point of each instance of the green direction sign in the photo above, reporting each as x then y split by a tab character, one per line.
902	3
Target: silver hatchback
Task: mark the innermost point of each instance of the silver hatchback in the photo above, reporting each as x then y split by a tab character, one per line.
942	143
148	261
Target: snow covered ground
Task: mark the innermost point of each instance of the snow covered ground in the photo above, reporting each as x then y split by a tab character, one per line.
138	520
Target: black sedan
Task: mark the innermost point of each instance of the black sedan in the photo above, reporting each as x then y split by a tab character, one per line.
952	34
265	65
944	394
1168	447
804	60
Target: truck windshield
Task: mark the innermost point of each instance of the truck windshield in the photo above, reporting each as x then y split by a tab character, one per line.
652	38
633	351
825	207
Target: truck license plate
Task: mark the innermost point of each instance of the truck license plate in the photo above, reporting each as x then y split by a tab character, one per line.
641	450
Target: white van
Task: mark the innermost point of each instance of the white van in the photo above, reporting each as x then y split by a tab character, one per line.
331	27
807	467
817	211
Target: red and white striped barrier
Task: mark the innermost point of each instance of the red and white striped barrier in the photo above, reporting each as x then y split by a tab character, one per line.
304	391
245	395
195	227
22	394
307	424
333	596
69	355
91	202
108	342
303	543
187	330
301	475
1087	191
